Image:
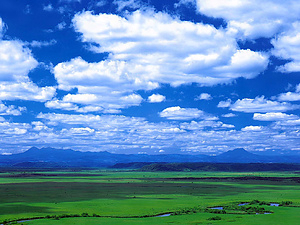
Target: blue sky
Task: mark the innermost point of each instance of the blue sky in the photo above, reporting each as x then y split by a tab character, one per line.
156	77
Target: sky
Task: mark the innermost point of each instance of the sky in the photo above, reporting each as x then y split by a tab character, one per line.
150	76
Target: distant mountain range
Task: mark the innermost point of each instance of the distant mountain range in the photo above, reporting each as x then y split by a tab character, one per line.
62	158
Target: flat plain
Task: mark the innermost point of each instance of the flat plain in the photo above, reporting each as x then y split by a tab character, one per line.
132	197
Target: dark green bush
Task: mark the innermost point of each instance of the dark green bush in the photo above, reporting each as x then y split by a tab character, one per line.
254	202
285	203
84	214
214	218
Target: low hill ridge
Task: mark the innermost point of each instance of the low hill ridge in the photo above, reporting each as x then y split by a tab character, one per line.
71	158
239	155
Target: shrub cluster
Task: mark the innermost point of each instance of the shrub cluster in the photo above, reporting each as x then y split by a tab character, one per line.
216	211
214	218
285	203
187	211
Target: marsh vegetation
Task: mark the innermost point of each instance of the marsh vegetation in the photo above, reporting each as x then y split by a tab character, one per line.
130	197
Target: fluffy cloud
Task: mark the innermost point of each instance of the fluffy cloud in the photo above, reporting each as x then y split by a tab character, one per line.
289	123
224	104
61	25
25	91
57	104
132	99
204	124
87	109
178	51
260	104
113	123
147	49
229	115
126	133
130	134
123	134
184	2
11	129
252	128
69	119
289	96
39	126
253	18
39	44
286	46
82	131
69	106
48	7
101	3
156	98
298	88
11	110
16	61
2	27
178	113
104	84
204	96
132	4
101	77
274	116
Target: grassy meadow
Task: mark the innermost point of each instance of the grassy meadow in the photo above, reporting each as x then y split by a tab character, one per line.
120	197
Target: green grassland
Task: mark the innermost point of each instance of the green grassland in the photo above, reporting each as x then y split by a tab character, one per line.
131	197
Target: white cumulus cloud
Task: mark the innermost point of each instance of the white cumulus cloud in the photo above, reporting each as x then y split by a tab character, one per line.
290	96
156	98
48	8
148	48
11	110
16	61
253	18
178	113
204	96
229	115
57	104
252	128
131	134
2	27
132	4
224	104
260	104
286	46
25	91
274	116
174	49
39	44
104	84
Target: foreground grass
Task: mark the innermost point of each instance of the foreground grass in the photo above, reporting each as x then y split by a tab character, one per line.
279	217
137	194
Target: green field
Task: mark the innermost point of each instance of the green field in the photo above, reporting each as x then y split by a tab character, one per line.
120	197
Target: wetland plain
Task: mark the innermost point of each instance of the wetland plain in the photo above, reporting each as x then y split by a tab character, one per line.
135	197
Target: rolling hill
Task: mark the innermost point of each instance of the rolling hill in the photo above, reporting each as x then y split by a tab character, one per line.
51	157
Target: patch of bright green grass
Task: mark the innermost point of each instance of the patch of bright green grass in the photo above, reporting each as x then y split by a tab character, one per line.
127	194
280	216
